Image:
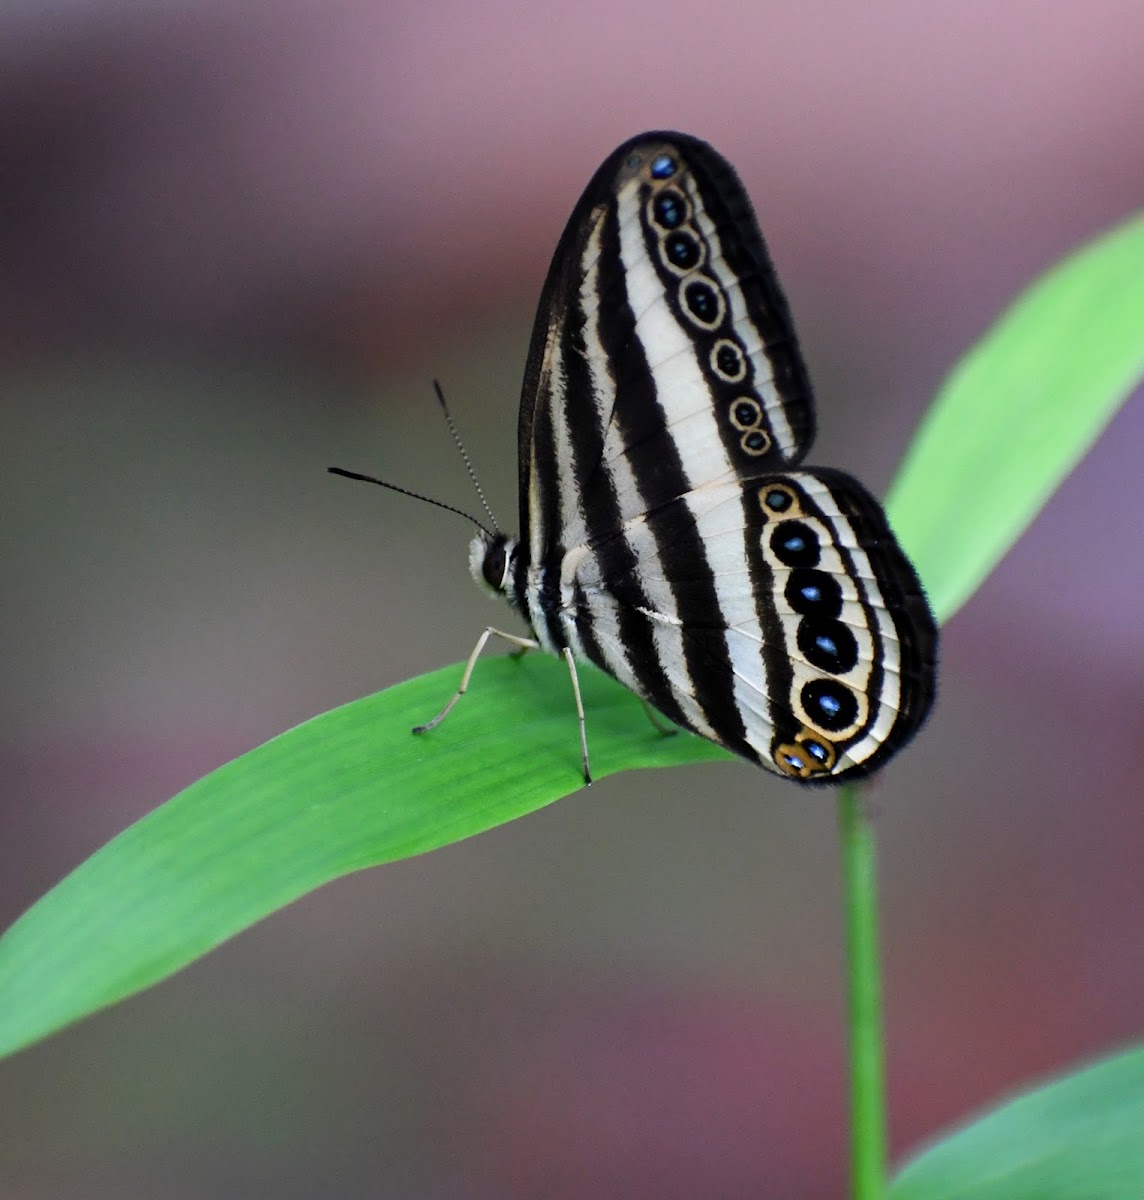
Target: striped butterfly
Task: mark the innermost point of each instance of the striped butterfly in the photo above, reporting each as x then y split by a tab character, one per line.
668	534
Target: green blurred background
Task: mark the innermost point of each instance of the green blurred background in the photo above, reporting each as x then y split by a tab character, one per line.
238	243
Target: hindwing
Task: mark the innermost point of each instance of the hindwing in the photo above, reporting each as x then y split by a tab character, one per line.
800	639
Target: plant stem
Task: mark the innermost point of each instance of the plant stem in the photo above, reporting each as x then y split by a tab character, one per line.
864	1000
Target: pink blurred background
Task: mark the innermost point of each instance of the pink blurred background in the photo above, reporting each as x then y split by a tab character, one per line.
239	242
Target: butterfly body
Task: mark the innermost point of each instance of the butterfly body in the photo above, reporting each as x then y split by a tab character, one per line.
669	534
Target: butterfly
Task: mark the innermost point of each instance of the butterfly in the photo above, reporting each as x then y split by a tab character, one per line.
669	534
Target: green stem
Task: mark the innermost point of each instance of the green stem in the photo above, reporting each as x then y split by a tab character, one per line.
864	1001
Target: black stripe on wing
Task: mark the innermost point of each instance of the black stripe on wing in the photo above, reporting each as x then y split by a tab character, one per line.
659	479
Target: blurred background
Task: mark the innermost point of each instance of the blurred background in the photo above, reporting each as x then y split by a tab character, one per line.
239	240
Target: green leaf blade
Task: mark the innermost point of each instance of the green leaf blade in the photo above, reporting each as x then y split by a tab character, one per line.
1078	1138
350	789
1018	413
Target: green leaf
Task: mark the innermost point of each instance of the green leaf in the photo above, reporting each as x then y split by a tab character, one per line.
1079	1138
1018	413
347	790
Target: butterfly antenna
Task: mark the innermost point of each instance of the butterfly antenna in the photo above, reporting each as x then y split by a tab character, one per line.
464	453
414	495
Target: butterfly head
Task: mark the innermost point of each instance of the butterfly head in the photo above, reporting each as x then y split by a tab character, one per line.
491	557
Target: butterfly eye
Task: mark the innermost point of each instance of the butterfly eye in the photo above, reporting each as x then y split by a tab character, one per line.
494	564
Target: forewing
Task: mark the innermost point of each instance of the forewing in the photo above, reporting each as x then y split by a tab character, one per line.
799	638
664	357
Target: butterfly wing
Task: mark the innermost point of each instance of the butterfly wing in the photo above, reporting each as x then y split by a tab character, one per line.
665	400
801	639
663	355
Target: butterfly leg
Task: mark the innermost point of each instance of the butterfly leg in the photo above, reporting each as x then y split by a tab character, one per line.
657	721
523	644
579	712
